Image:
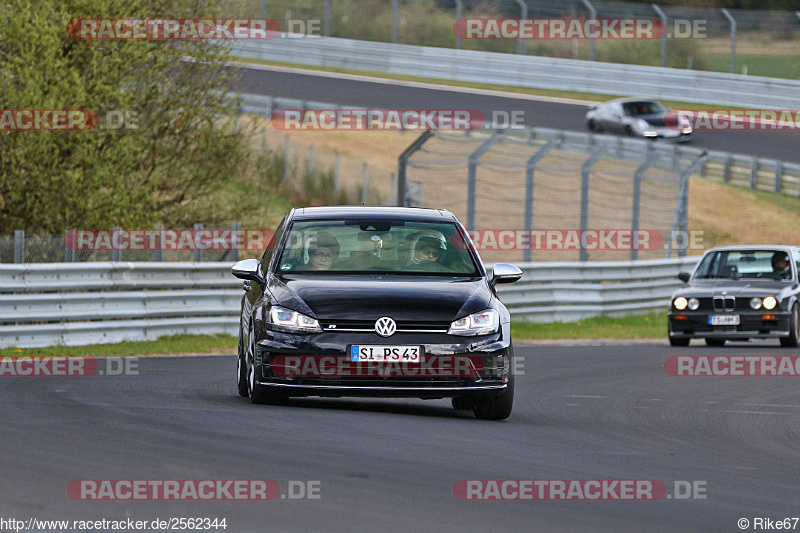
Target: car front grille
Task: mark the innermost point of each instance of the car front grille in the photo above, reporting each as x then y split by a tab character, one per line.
724	303
369	326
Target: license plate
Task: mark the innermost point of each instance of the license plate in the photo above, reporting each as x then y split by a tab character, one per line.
406	354
723	320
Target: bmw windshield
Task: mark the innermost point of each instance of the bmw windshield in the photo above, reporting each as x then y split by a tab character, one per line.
376	246
750	264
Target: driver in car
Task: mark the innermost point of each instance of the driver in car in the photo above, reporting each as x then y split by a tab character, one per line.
323	251
427	253
780	265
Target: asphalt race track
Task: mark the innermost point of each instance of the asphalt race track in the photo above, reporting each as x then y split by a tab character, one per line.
586	412
780	145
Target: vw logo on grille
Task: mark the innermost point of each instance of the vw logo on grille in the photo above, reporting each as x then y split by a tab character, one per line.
385	327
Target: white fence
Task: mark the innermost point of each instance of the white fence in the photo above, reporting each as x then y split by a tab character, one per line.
89	303
528	71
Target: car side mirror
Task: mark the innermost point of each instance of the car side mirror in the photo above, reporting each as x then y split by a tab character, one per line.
684	276
248	269
505	273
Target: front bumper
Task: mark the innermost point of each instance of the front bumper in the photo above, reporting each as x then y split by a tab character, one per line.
752	325
492	353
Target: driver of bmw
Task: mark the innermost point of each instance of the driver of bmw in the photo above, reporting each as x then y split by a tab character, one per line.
780	265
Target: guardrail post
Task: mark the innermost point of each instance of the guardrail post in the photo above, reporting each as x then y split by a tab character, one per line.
522	44
637	197
327	18
663	18
459	7
198	253
472	176
263	9
19	245
592	15
726	171
733	38
754	173
585	170
364	183
529	184
394	21
336	174
235	249
778	176
159	252
116	252
287	143
680	221
69	252
402	162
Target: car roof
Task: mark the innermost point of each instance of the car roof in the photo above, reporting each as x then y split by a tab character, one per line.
747	247
361	211
630	99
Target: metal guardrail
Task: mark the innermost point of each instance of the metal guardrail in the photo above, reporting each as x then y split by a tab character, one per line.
89	303
527	71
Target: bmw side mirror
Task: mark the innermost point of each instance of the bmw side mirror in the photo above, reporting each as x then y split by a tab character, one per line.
247	269
505	273
684	276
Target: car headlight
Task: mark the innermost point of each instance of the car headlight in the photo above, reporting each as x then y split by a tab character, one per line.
694	303
680	303
755	303
288	320
770	302
481	323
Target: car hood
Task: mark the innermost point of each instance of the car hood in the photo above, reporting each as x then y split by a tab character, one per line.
742	288
656	119
412	298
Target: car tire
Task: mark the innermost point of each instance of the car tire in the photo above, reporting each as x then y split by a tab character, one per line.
593	127
794	329
498	407
241	368
718	343
464	403
679	341
629	131
258	394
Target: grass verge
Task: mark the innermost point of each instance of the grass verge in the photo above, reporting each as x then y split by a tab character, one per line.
635	326
172	345
601	327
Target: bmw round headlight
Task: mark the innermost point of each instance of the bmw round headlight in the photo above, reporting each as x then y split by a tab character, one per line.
694	303
680	303
770	302
755	303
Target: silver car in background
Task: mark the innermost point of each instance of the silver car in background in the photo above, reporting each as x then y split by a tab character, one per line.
638	117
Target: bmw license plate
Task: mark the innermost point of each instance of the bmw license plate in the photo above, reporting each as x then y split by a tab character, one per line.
723	320
405	354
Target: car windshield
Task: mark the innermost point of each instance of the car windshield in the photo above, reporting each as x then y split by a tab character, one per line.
737	264
633	109
376	246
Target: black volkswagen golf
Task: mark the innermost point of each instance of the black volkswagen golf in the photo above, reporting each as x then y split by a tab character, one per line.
375	301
